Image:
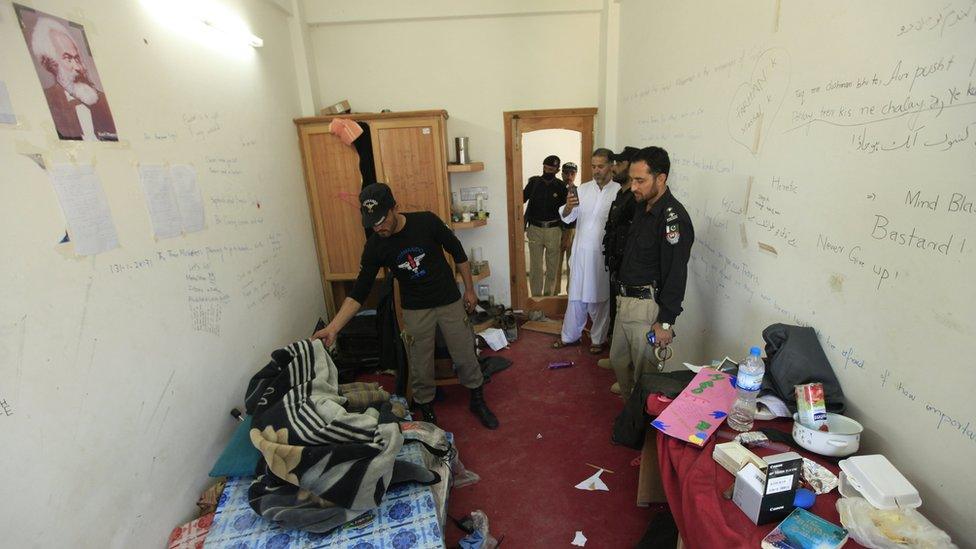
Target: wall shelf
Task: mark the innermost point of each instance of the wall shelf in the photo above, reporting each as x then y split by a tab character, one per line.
468	224
466	168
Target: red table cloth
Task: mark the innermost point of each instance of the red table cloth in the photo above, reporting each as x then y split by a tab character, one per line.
693	483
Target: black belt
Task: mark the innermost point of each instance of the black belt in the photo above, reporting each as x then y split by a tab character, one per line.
640	292
544	224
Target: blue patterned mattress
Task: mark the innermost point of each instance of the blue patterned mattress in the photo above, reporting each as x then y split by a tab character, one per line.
406	519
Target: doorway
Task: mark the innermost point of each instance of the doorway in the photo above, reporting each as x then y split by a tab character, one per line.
567	133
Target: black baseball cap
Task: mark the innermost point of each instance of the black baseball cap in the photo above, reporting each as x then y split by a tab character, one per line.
552	161
625	155
375	201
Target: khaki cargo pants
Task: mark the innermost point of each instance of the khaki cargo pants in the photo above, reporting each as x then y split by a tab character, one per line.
630	353
419	328
544	242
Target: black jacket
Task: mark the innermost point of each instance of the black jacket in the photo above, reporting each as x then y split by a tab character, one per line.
794	357
619	218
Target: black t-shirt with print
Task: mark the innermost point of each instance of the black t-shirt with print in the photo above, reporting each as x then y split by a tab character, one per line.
415	254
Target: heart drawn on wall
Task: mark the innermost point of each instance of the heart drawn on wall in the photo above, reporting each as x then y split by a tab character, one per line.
756	102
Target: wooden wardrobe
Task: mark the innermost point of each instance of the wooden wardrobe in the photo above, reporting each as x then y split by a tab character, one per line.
410	155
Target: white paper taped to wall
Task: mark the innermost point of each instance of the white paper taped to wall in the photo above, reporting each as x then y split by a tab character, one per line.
187	193
7	115
85	208
173	199
161	200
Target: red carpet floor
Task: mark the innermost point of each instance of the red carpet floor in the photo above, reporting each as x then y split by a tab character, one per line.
527	482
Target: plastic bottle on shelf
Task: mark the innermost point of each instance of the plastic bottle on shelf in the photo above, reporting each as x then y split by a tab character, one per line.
747	383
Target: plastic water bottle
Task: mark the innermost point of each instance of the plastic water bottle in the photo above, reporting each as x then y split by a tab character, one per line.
747	382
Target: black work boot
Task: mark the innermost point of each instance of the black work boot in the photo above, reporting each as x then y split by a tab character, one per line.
428	410
481	410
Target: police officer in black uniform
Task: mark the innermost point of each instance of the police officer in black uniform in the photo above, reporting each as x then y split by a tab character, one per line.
618	225
621	164
654	269
545	194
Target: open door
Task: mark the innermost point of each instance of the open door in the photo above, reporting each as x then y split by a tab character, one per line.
524	130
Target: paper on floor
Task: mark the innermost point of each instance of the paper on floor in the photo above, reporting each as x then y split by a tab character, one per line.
580	539
495	338
594	483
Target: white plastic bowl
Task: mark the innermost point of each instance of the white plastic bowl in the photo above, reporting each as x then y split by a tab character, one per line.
843	439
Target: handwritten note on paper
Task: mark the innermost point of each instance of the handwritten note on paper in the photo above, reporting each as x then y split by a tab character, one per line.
85	208
161	200
187	197
7	115
695	414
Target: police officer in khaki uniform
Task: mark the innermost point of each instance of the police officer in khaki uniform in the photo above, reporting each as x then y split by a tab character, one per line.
654	270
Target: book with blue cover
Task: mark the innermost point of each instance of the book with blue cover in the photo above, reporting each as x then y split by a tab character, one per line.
804	530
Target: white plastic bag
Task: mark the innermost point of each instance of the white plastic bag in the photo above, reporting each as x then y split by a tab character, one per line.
890	529
479	538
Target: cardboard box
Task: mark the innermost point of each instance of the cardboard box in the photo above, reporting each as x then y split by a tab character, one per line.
342	107
768	497
733	456
649	487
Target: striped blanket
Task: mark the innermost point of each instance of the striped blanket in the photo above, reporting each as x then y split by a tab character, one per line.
323	465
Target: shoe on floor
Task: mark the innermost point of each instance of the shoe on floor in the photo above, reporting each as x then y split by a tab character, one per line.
615	388
604	363
427	409
480	409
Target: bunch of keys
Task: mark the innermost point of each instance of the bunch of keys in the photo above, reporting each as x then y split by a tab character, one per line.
663	354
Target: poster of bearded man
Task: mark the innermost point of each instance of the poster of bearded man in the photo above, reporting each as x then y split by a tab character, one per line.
67	72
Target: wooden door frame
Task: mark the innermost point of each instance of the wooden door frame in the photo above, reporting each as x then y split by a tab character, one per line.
516	124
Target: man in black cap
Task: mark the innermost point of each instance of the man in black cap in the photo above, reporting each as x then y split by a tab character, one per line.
621	164
545	194
412	246
654	270
618	225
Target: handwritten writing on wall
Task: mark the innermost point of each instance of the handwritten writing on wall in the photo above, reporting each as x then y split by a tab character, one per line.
757	101
942	19
201	126
926	105
207	278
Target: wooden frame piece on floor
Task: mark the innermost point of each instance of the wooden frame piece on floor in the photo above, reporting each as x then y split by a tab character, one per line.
516	124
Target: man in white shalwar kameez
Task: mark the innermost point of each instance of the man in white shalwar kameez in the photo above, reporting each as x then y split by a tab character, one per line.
589	281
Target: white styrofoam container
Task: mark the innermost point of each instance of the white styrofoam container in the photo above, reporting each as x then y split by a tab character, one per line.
875	479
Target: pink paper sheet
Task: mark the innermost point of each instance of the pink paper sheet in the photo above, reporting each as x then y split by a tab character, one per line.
695	414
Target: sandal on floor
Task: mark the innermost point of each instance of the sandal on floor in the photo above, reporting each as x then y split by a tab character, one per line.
558	344
596	349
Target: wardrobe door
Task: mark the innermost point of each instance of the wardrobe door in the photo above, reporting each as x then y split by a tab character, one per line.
410	155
